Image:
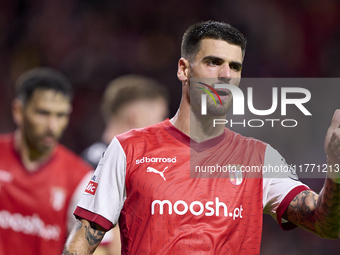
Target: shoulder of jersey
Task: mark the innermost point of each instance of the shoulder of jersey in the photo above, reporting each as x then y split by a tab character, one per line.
6	144
6	138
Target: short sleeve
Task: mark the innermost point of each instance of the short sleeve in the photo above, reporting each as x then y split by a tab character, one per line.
280	186
75	199
105	193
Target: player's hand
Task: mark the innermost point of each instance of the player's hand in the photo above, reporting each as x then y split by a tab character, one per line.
332	147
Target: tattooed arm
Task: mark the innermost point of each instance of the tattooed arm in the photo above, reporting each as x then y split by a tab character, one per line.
84	238
317	213
321	213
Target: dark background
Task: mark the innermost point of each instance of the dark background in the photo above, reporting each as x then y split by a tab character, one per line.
94	41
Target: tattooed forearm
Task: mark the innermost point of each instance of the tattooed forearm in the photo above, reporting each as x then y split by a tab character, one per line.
93	236
317	213
84	238
301	210
328	210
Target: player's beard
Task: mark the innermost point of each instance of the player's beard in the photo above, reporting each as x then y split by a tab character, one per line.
212	108
219	110
39	144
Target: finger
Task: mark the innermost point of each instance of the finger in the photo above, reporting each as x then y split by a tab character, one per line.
336	152
335	139
335	120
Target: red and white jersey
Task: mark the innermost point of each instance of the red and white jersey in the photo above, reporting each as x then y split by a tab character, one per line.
36	207
144	181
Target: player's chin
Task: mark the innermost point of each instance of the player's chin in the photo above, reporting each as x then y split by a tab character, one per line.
218	111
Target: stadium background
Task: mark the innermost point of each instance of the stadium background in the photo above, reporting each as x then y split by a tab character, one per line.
94	41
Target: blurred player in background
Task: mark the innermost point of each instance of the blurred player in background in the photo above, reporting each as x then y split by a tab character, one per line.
129	102
144	179
40	180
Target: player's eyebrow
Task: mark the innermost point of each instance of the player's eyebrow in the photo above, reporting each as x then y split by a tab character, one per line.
221	60
215	58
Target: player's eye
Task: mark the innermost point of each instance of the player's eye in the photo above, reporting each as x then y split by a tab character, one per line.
235	67
43	113
62	115
213	62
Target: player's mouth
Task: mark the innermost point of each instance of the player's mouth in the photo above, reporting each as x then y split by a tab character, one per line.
49	140
220	94
223	93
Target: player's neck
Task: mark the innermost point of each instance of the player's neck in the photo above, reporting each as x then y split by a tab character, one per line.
30	158
193	124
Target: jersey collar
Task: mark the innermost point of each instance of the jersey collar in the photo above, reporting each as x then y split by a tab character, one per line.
183	138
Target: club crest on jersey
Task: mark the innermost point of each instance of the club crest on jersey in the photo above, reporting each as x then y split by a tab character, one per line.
57	199
235	174
292	170
91	187
93	178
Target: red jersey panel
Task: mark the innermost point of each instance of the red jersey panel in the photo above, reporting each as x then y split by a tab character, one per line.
144	179
34	206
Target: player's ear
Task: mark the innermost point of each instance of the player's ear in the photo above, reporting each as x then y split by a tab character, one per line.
183	69
17	111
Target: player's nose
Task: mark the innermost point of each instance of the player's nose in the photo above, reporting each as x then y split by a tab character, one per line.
53	124
224	72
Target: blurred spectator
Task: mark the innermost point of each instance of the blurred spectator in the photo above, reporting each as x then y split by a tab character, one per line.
40	180
129	102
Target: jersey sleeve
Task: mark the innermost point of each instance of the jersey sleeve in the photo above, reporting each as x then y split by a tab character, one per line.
280	186
75	199
105	193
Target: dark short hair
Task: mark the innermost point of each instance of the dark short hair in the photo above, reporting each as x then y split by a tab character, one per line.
129	88
42	79
210	30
